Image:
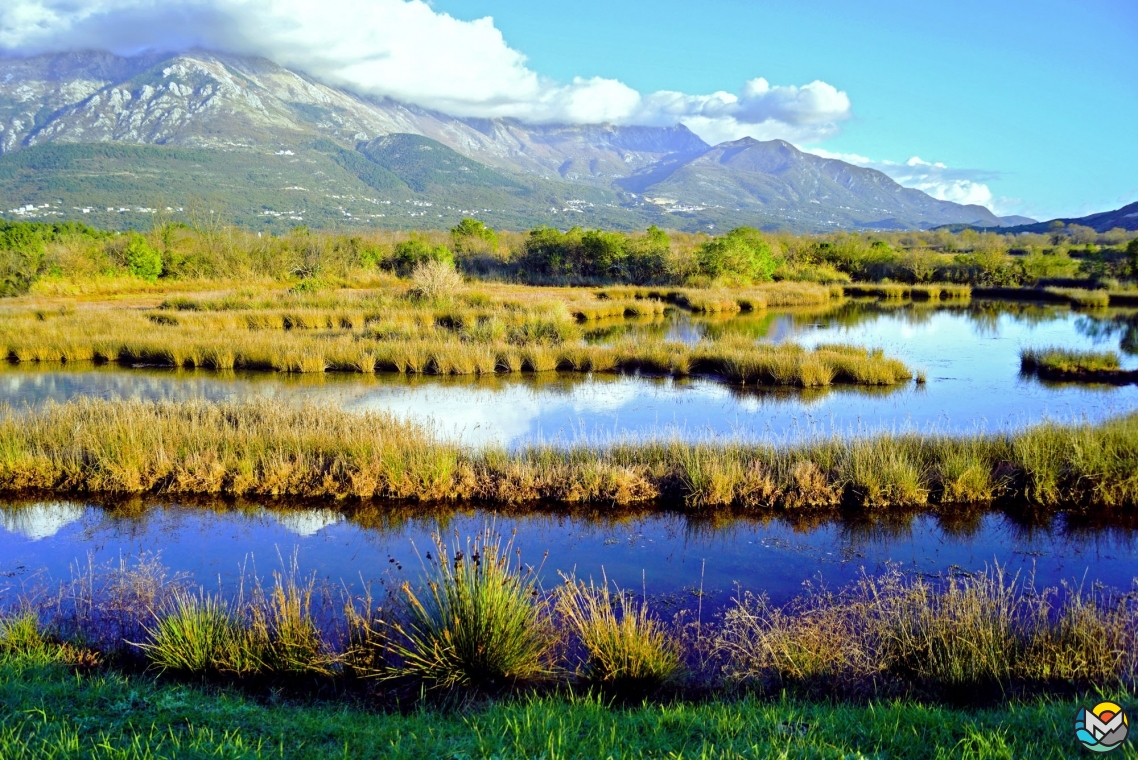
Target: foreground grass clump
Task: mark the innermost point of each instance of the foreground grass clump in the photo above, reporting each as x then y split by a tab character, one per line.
478	621
898	634
625	648
267	448
1069	364
204	634
51	712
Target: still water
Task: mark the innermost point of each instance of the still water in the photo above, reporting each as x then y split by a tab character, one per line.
969	353
670	557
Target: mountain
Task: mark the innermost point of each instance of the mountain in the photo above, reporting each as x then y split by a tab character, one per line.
774	177
1016	221
1125	218
110	138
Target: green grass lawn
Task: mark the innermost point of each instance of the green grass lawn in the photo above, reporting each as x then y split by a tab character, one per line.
46	711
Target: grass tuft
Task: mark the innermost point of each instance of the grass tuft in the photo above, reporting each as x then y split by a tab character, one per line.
477	622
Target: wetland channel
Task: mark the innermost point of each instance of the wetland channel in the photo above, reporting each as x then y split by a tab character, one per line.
970	353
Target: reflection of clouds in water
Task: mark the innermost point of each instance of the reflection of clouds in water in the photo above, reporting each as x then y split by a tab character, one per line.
40	521
510	411
306	522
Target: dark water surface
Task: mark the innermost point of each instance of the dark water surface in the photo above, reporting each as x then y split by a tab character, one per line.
970	354
669	556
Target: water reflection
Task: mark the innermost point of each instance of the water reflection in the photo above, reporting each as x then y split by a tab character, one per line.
969	351
663	553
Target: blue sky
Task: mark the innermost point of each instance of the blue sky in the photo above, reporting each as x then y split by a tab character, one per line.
1028	107
1039	98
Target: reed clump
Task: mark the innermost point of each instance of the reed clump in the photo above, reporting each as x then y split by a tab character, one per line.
625	648
267	448
899	634
1055	363
893	291
1082	297
206	634
478	621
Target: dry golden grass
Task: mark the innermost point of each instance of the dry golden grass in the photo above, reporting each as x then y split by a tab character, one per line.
393	329
271	448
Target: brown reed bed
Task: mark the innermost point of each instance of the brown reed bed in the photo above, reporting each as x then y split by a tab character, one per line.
894	291
269	448
385	331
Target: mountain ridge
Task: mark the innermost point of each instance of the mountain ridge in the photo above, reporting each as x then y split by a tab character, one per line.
220	102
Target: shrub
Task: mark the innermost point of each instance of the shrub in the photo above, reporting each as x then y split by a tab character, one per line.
477	622
411	253
141	259
473	236
741	255
436	280
646	259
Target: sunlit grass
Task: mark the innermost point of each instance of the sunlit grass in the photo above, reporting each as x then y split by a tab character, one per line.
272	448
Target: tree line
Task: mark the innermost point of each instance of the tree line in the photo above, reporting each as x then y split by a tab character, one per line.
30	251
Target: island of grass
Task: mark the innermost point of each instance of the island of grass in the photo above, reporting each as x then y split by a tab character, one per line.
1071	365
432	326
272	448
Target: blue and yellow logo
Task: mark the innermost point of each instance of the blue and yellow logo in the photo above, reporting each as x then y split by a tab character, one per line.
1102	728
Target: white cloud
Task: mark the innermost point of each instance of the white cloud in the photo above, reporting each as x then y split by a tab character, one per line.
967	186
406	50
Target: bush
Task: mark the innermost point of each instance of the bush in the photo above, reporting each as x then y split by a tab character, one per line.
436	280
141	259
646	259
411	253
741	255
473	236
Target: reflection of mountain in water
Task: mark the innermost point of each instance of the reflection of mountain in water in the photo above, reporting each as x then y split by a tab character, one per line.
306	523
39	521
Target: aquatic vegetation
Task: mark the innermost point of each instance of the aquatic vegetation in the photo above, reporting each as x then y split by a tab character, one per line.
934	292
479	621
1082	297
625	647
278	449
1069	364
388	331
896	633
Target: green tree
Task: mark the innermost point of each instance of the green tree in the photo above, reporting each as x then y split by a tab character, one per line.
141	259
552	252
743	254
646	259
473	236
1132	254
418	250
603	253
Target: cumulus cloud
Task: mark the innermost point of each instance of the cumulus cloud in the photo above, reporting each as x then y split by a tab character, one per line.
968	186
406	50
